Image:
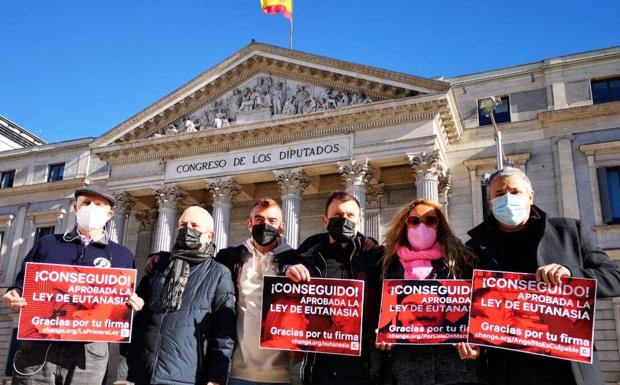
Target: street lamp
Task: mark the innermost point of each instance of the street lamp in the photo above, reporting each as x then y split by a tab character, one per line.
488	105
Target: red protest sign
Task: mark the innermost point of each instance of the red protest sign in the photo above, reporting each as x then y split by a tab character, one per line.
514	311
323	315
424	311
76	303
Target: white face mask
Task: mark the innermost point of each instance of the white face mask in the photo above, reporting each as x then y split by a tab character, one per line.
92	217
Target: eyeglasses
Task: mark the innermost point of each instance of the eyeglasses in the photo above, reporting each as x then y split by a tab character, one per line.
430	220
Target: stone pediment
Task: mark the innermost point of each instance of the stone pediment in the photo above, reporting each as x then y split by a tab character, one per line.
262	82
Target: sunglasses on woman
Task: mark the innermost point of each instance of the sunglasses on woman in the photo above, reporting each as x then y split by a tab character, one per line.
430	220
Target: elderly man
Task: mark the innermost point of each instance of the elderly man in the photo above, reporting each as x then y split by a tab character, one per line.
343	252
185	334
258	256
38	362
521	237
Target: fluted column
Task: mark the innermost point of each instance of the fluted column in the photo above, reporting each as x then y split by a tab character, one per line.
223	191
374	196
427	167
122	209
146	221
167	198
292	184
356	175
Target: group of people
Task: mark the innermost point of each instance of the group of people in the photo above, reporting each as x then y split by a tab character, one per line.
200	312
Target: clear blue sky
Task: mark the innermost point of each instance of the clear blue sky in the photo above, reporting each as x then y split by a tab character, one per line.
77	68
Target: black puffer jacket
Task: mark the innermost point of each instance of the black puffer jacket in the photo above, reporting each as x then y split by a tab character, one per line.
431	364
566	242
192	345
364	264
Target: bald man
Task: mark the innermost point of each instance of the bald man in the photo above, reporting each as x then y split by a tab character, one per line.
186	331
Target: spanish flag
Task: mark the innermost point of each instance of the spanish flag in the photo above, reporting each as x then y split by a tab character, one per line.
285	7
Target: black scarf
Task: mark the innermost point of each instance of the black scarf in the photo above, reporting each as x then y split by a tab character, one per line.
175	277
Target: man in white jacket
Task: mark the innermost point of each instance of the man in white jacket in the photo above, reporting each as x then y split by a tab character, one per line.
262	254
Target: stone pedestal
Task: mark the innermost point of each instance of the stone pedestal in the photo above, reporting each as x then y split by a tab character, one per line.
223	191
292	183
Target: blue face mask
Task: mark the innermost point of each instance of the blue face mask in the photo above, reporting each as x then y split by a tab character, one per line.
510	209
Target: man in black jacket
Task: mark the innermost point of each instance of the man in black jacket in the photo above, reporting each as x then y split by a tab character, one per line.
520	237
185	333
343	252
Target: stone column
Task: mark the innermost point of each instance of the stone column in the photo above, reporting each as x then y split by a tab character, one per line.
356	175
292	184
570	203
374	196
146	220
122	209
594	192
223	191
167	198
15	245
427	168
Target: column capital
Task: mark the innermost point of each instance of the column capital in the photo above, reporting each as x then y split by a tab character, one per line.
168	196
146	219
124	202
292	181
425	164
355	173
374	195
223	190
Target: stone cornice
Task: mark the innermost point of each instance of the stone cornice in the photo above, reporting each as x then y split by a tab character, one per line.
257	58
516	159
552	118
601	148
281	130
45	187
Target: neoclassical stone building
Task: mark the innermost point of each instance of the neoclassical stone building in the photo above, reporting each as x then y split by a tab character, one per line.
273	122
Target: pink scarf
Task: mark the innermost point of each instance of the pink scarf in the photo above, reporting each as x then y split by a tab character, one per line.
418	264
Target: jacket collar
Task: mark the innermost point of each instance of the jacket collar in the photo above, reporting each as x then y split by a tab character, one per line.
73	236
549	247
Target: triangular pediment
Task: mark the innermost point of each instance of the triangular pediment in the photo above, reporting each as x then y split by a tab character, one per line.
262	82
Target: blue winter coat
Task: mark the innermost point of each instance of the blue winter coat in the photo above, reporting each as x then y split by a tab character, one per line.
67	249
192	345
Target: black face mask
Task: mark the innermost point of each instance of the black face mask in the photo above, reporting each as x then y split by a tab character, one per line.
264	234
341	229
188	239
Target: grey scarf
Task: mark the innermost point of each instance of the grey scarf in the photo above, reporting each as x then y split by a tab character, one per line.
175	277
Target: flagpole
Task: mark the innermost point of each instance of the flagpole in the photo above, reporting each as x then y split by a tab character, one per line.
290	43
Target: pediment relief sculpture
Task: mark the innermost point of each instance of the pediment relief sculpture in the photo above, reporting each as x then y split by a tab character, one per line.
261	98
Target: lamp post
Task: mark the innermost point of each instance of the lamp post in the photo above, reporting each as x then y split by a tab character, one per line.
488	105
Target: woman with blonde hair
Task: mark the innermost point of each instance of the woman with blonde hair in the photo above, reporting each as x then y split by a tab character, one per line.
419	244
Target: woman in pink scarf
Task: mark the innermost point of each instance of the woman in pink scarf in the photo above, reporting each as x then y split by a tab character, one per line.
419	244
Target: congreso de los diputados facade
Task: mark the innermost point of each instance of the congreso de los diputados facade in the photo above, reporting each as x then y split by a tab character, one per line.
269	121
